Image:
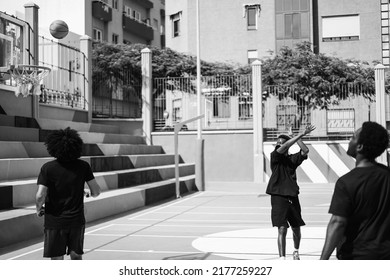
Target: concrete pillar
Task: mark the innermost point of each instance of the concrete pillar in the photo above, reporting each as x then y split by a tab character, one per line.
257	94
86	49
147	94
31	16
380	103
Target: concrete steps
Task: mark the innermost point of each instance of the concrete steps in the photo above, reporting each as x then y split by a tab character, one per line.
131	173
22	224
19	193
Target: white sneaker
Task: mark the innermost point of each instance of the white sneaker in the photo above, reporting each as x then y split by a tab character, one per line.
296	256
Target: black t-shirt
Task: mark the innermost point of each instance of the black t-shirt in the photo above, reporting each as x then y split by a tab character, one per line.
283	179
64	205
363	197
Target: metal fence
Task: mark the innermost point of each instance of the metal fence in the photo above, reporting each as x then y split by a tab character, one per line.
66	83
346	108
228	105
116	95
226	101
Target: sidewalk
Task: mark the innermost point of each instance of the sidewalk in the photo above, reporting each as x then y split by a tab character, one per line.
216	224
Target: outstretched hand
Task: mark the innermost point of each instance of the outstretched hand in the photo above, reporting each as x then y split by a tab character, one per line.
309	128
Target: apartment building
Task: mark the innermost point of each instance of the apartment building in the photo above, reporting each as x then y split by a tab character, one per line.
114	21
240	31
128	21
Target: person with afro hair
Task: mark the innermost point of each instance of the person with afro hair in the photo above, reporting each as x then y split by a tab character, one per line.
60	195
360	223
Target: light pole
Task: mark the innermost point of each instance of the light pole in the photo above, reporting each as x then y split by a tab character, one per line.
199	165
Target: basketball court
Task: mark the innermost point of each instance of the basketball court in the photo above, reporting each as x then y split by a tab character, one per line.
210	225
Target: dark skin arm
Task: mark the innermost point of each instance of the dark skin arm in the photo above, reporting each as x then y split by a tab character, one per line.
296	139
334	234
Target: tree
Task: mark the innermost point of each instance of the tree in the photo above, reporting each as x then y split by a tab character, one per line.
317	79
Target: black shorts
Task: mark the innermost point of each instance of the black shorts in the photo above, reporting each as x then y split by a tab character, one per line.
286	210
59	242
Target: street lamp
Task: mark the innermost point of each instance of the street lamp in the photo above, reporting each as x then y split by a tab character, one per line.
199	166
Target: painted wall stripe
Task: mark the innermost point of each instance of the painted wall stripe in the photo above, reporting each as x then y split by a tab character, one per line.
341	151
313	172
336	165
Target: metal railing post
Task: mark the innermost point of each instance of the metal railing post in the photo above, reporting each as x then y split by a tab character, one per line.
177	128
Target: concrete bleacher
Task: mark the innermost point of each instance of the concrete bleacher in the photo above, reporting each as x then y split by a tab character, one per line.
131	173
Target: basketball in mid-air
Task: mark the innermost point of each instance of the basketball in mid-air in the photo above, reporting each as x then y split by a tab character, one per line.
59	29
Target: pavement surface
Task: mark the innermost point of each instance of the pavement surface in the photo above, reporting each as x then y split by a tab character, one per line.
214	225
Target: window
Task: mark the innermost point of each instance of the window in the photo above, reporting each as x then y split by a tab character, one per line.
115	38
136	15
252	12
292	115
252	22
292	22
340	28
252	56
155	24
221	106
97	35
127	11
385	22
176	110
115	4
175	20
245	108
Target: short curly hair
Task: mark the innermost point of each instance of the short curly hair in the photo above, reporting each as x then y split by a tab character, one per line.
374	138
64	144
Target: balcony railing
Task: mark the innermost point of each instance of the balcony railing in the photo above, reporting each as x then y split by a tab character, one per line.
137	28
101	11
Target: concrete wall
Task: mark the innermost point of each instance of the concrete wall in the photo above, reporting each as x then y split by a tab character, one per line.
368	47
228	156
14	106
224	35
126	126
62	113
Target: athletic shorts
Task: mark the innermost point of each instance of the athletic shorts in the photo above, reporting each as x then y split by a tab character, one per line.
59	242
286	211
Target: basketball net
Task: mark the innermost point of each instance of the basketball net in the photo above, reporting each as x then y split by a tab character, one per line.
28	78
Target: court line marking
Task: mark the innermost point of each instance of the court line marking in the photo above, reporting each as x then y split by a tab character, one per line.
166	206
144	251
25	254
109	225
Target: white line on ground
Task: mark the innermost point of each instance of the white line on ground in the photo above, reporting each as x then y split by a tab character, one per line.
165	206
25	254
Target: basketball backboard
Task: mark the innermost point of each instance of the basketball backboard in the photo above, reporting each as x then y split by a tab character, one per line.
11	44
6	51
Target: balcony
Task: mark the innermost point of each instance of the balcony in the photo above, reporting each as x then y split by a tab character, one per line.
145	3
101	11
135	27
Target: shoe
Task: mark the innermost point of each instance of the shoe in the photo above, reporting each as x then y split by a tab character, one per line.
296	256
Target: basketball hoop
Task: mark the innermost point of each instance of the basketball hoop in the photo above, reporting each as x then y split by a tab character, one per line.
28	78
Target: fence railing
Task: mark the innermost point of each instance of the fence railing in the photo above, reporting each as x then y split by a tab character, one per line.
228	104
65	85
117	95
226	101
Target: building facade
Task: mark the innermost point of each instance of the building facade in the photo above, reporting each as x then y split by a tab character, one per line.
113	21
128	21
240	31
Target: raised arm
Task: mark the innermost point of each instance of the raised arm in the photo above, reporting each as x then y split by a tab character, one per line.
297	139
